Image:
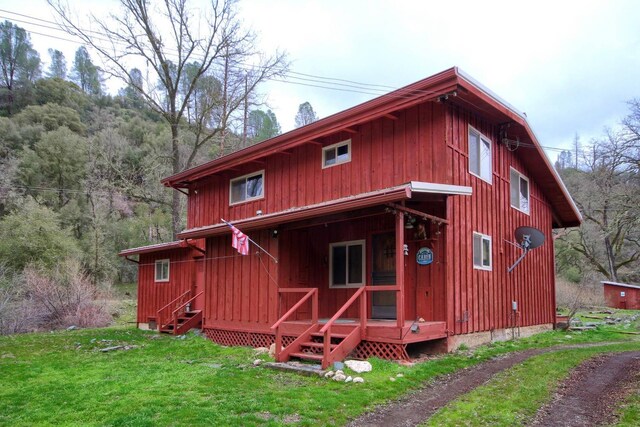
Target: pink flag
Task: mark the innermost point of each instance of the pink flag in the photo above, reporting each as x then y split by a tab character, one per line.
240	241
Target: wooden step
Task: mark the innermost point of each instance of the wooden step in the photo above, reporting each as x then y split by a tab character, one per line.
316	345
307	356
336	336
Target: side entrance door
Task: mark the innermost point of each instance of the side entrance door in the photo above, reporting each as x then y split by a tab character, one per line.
198	284
383	272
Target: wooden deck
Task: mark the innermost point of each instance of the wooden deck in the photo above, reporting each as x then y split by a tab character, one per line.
378	330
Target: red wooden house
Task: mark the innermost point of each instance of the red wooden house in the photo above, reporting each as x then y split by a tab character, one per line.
622	295
390	223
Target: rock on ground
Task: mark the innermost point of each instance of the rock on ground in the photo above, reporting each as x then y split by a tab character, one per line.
359	366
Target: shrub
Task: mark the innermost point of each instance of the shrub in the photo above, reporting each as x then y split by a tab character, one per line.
39	300
571	295
65	297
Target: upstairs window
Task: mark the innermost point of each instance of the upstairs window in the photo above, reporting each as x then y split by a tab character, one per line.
479	155
346	264
519	185
481	251
247	187
162	270
336	154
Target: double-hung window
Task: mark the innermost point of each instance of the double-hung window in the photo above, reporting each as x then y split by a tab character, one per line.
162	270
336	154
479	155
346	264
247	187
519	189
481	251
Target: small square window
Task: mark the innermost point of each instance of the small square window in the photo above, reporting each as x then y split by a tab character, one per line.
162	270
479	155
481	251
336	154
346	265
519	189
247	187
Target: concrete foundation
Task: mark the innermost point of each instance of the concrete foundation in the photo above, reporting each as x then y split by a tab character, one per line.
144	326
479	338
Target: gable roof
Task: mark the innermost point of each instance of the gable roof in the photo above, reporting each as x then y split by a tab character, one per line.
458	88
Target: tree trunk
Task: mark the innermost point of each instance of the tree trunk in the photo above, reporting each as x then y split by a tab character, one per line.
611	259
175	202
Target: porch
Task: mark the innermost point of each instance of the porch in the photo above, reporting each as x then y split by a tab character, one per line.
378	330
330	340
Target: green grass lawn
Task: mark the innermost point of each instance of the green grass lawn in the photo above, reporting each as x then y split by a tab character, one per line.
62	378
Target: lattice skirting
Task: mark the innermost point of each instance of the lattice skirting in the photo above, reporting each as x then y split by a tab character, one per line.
248	339
364	350
383	350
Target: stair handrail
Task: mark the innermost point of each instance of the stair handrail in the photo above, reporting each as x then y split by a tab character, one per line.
177	311
310	292
326	329
172	303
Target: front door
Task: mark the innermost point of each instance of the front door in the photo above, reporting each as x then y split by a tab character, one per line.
383	272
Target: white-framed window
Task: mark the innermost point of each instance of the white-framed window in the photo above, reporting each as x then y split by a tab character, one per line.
479	155
481	251
162	270
246	187
623	293
336	154
347	264
519	185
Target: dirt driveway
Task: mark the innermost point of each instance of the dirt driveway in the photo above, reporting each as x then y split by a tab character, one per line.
416	407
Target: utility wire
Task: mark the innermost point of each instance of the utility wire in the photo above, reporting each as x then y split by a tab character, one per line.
291	77
376	88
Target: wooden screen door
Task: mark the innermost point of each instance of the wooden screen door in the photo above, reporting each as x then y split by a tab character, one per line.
198	284
383	272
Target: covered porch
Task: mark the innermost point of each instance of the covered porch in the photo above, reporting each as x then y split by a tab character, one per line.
364	272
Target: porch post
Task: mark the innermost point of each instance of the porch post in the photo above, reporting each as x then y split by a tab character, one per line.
400	268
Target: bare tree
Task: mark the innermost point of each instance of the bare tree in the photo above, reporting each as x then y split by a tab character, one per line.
607	191
185	52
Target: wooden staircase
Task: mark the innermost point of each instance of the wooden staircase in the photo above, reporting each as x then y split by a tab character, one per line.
184	323
313	350
318	343
177	317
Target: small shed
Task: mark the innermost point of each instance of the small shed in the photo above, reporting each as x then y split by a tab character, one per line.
622	295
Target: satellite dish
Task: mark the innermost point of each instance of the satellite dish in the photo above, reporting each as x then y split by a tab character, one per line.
528	238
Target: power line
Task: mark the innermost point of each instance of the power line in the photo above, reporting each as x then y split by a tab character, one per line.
376	88
290	77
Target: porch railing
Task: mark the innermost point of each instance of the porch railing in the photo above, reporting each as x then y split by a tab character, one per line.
165	313
353	338
309	293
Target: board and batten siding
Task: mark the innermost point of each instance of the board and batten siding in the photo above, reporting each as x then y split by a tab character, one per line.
481	300
153	295
384	153
427	142
241	291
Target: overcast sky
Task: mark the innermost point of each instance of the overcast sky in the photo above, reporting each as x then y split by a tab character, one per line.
570	65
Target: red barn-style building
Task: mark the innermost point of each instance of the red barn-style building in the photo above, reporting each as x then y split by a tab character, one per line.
390	223
622	295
